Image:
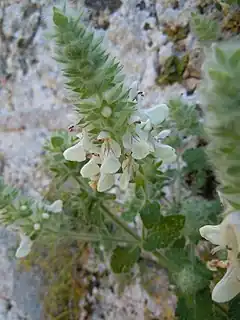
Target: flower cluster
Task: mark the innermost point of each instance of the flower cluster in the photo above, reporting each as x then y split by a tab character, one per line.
36	220
109	155
227	237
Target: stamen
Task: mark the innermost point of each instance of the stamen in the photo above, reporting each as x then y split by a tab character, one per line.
140	93
71	128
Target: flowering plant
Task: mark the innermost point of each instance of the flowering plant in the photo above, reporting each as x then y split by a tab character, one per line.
122	184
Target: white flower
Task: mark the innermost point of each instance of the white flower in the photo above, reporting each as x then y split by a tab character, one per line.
55	207
134	118
158	113
37	226
79	150
129	166
105	182
138	144
163	134
91	169
146	125
76	152
110	152
110	164
165	153
45	215
24	246
226	236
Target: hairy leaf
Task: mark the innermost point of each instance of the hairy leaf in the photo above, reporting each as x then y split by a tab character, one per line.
150	215
164	234
124	258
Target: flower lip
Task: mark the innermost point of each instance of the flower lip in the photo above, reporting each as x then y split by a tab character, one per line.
24	246
226	236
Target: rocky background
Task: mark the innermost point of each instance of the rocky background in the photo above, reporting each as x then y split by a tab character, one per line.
152	39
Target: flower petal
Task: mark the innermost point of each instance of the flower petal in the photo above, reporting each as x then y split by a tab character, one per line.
110	165
127	140
165	153
88	144
75	153
103	135
90	169
212	234
124	180
142	134
55	207
134	90
105	182
115	148
228	287
231	231
158	114
134	118
24	246
163	134
140	149
146	125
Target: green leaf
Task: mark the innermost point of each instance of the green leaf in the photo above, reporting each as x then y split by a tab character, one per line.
57	141
234	309
219	75
132	209
196	307
199	212
162	235
124	258
185	117
234	170
234	60
150	214
204	28
58	18
220	56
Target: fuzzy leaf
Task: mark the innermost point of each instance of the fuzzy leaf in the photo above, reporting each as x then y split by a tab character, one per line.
234	60
164	234
124	258
204	28
133	209
185	117
57	141
220	76
150	214
234	309
220	56
199	212
58	18
197	307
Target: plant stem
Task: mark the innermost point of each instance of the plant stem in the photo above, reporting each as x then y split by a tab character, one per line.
95	237
119	222
178	184
163	261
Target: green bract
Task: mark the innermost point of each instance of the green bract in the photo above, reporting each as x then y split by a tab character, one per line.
93	76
